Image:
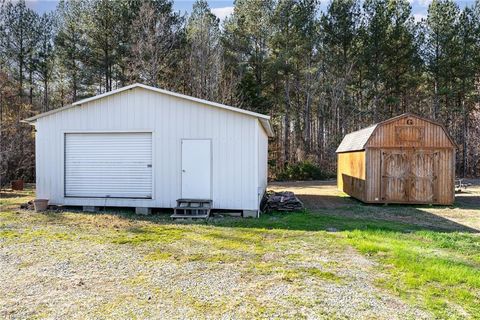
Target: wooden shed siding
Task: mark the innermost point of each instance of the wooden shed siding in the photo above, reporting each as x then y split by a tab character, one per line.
445	175
234	146
385	135
351	173
420	155
373	160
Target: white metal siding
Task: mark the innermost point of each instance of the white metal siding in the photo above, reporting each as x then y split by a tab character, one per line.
108	165
170	119
262	161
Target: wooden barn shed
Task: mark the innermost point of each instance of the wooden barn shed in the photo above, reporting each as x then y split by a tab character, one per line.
406	159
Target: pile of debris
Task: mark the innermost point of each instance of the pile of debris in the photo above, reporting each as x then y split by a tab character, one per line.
461	185
27	205
281	201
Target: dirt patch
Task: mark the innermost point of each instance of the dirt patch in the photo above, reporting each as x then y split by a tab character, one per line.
315	194
323	196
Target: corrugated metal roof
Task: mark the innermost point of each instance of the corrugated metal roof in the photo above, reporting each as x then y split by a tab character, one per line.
356	140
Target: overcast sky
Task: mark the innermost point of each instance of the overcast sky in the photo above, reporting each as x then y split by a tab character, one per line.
222	8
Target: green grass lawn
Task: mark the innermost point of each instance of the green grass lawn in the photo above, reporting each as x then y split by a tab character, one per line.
435	269
438	269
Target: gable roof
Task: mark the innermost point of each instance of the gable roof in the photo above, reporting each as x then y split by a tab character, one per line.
357	140
264	119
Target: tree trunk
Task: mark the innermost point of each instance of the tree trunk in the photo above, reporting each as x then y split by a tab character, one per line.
286	141
30	80
465	143
45	94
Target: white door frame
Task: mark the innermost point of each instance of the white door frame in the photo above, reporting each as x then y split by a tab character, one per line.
211	164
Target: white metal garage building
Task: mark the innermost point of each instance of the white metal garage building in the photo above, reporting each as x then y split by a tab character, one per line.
144	147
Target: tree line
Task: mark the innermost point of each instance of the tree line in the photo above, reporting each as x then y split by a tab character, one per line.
319	73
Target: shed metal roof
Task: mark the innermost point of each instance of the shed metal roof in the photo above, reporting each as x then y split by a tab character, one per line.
264	119
356	140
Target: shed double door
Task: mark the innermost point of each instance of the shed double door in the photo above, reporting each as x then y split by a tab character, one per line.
409	176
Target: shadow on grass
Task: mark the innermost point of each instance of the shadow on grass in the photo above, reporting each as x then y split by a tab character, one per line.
11	194
337	220
467	200
359	217
325	212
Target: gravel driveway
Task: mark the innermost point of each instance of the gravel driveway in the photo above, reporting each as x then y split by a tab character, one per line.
78	267
114	265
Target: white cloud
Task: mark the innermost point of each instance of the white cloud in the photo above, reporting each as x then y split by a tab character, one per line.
223	12
419	16
424	3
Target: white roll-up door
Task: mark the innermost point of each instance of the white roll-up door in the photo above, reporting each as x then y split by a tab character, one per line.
114	165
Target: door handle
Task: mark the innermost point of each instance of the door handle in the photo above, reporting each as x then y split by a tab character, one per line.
183	170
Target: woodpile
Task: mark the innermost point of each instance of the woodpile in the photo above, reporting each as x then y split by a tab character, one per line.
281	201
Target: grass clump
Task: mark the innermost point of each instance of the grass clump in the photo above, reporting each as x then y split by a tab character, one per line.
141	235
158	256
8	234
320	274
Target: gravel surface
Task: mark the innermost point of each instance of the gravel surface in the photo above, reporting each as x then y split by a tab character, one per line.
71	265
82	279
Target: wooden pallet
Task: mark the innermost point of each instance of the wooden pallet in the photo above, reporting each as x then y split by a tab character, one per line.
192	209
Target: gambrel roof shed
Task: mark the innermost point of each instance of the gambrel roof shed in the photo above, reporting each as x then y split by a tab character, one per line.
357	140
145	147
405	159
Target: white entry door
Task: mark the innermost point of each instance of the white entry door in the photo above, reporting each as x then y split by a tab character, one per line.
196	169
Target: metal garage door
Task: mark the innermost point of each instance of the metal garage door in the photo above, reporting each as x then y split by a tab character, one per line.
114	165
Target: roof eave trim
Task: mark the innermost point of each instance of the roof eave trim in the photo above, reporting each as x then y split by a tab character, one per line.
166	92
353	150
267	126
31	120
171	93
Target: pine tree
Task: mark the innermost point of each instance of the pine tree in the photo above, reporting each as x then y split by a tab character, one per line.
71	47
441	50
104	40
203	38
245	40
18	40
340	28
45	56
157	36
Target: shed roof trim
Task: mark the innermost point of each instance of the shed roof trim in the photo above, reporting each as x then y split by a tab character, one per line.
264	119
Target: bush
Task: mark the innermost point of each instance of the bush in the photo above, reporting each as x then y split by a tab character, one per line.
305	170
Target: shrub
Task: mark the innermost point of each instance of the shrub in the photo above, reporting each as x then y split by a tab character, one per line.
305	170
